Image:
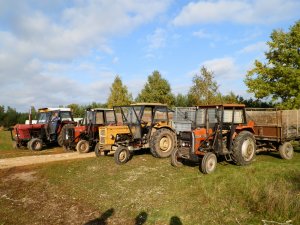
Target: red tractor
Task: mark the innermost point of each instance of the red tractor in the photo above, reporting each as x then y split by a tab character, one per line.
50	128
86	136
218	130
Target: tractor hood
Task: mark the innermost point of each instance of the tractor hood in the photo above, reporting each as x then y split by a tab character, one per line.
23	131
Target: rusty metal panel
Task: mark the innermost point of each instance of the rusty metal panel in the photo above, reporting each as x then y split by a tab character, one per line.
274	124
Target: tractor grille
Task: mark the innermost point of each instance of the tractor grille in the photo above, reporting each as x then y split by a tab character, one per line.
102	135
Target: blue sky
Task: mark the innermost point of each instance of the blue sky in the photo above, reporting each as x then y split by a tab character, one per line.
56	52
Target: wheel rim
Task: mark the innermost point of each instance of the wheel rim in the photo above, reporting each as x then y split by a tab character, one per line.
36	145
165	143
289	150
211	164
84	147
248	149
122	156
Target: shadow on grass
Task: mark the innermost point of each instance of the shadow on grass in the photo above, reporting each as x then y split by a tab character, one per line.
140	219
272	154
102	220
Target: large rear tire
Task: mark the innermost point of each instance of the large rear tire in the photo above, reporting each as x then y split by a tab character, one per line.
162	143
83	146
208	163
61	136
286	150
122	155
244	148
35	144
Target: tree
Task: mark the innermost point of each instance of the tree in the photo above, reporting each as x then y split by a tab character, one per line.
77	110
118	94
279	77
205	89
156	89
181	100
230	98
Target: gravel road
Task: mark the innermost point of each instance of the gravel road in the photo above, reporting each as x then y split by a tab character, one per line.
39	159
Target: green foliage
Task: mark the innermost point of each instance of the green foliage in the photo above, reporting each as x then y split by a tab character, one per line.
77	110
156	89
255	103
119	94
204	90
181	100
279	77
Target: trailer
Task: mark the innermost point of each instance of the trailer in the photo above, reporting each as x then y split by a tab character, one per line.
274	129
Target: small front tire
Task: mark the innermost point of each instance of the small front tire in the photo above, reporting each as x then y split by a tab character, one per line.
35	144
208	163
176	160
122	155
83	146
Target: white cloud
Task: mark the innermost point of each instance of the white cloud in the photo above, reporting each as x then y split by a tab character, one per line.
256	47
223	67
202	34
157	39
244	12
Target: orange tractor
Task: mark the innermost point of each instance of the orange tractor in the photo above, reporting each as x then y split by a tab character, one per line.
50	128
84	137
218	130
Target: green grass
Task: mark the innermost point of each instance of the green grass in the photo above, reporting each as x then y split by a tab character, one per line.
7	151
268	189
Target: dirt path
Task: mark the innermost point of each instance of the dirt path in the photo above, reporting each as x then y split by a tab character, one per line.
39	159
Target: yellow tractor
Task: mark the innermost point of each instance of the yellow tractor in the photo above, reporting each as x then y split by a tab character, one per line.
139	126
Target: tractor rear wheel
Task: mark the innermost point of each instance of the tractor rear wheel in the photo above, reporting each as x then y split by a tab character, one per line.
162	143
176	160
83	146
208	163
35	144
122	155
62	135
286	150
244	148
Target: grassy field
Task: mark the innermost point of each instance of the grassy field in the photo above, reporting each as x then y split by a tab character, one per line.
7	151
150	191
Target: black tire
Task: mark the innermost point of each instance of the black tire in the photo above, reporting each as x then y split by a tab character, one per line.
16	145
61	136
97	150
35	144
162	143
208	163
122	155
175	159
244	148
286	150
67	148
83	146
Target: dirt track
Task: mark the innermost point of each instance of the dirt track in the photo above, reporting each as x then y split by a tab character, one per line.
39	159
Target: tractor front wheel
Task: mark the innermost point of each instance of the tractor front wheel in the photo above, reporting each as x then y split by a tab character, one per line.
16	145
122	155
244	148
35	144
176	160
83	146
208	163
162	143
286	150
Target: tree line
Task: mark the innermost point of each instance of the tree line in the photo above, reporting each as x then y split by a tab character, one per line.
274	83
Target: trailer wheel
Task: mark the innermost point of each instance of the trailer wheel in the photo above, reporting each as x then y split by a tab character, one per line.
61	136
286	150
208	163
35	144
244	148
176	160
122	155
162	143
83	146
